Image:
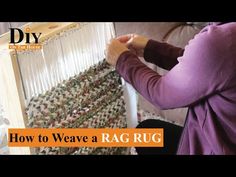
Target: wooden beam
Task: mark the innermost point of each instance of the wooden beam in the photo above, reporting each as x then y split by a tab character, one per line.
12	96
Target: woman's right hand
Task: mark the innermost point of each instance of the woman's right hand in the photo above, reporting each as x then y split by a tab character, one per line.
136	43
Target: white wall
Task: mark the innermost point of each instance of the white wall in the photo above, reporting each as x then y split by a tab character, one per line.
4	26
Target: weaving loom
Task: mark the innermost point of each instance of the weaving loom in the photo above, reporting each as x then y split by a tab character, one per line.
68	84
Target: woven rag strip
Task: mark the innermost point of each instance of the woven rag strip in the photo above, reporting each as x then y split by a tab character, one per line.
92	99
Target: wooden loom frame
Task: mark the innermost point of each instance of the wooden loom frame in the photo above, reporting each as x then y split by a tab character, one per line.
11	84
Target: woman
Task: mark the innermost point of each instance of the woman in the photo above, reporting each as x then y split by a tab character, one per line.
201	77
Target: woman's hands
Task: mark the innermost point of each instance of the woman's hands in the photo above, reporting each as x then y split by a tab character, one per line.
136	43
114	49
130	42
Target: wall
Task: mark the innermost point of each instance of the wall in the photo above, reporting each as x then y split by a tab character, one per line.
4	26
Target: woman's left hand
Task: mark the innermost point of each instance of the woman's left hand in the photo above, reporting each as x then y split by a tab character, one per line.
114	49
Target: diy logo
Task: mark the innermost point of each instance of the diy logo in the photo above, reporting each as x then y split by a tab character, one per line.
23	40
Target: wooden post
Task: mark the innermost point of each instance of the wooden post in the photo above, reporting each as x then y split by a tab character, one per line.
12	95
